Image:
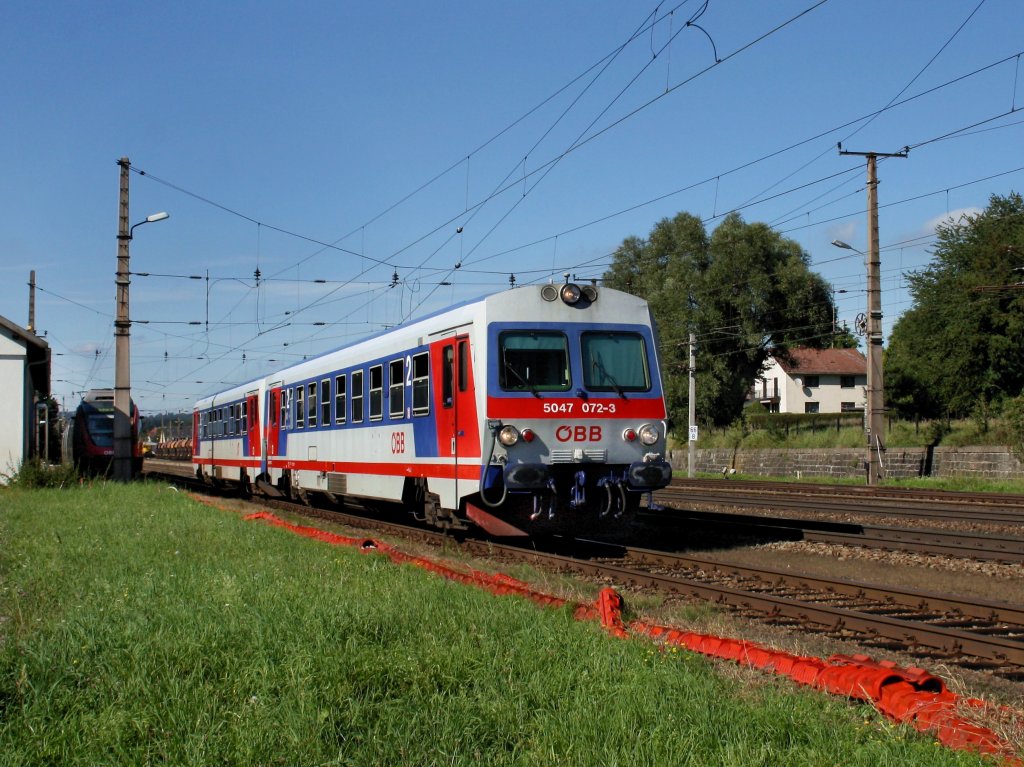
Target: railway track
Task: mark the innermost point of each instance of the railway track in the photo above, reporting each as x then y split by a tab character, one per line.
970	633
973	633
954	543
936	504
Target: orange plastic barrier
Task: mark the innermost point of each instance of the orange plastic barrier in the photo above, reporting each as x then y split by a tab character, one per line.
911	696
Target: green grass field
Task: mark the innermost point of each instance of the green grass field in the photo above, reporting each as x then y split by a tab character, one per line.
139	627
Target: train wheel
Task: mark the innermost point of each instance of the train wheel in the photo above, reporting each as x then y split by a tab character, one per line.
244	485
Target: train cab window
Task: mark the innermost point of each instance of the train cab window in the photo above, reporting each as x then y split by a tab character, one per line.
615	361
420	384
396	389
300	406
357	396
339	399
533	361
376	392
325	402
311	403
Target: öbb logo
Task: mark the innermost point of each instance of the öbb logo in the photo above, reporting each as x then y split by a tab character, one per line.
566	433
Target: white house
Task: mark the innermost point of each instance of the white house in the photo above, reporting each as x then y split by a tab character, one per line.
814	381
24	381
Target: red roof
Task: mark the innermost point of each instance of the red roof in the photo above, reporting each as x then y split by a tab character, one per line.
825	362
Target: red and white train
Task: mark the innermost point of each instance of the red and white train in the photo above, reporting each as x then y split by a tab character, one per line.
539	409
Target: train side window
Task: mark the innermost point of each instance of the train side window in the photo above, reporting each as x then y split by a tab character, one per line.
447	376
396	388
245	418
357	396
311	403
376	392
300	406
463	366
421	384
339	399
325	402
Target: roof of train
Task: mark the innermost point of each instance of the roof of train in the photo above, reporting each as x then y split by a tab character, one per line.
511	296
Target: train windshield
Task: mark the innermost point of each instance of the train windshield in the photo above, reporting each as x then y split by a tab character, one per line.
101	429
534	361
615	362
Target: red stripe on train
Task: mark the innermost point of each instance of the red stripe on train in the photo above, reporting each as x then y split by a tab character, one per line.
545	407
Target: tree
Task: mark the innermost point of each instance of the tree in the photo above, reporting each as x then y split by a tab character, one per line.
959	349
745	291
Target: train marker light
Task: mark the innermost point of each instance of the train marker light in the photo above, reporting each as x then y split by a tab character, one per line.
528	435
629	435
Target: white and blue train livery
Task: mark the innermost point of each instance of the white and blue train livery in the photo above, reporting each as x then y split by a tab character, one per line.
533	410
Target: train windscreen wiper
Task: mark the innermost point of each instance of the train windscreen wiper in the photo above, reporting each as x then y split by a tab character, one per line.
600	368
523	381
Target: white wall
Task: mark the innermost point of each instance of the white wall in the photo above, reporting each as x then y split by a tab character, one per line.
12	405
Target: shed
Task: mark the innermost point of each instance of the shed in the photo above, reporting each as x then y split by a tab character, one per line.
25	382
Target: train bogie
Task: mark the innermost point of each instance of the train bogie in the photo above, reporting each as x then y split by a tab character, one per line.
534	409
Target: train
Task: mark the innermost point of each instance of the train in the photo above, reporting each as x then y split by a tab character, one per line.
88	442
536	410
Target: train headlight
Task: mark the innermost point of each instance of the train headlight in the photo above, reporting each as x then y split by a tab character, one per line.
571	293
648	434
508	435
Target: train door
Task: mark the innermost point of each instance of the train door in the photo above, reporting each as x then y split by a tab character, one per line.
457	430
253	427
273	420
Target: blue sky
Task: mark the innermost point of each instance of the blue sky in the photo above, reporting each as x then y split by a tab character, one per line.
348	142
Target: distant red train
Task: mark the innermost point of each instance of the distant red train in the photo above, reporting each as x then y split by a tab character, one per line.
89	440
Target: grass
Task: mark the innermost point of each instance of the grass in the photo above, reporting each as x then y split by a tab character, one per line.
960	484
139	627
956	433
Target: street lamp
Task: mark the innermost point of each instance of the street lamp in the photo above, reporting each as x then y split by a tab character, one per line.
875	405
123	453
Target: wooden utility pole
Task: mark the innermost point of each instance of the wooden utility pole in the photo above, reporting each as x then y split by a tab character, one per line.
876	388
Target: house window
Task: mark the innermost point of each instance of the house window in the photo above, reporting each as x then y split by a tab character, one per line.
420	384
339	399
848	407
847	382
810	407
811	382
357	396
396	389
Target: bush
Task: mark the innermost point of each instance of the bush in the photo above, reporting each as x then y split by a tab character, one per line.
35	473
1013	415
